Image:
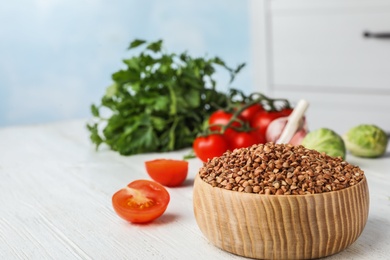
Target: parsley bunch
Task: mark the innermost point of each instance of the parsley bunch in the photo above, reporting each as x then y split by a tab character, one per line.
159	102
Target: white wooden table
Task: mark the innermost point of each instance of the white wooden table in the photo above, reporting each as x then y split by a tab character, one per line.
55	202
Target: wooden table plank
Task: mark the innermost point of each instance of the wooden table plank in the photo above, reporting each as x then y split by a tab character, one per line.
55	199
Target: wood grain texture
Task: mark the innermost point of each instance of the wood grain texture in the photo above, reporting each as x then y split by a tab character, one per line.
281	227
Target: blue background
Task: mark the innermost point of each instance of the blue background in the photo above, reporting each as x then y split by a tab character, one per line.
57	57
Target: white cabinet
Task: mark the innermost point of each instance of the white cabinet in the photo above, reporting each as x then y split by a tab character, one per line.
317	50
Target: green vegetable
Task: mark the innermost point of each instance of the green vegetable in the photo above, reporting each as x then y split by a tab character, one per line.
366	141
325	140
159	102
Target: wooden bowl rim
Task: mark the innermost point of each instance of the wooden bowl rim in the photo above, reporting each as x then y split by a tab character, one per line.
329	193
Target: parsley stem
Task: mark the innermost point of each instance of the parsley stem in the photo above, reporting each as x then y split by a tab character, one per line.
173	105
171	144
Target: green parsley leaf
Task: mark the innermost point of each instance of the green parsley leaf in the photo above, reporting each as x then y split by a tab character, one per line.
136	43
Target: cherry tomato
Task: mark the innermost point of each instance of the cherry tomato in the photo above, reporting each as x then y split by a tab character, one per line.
286	111
262	119
141	201
167	172
221	117
248	113
259	139
241	139
208	147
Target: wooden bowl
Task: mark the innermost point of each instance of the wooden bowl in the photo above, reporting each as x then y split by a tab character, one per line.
281	226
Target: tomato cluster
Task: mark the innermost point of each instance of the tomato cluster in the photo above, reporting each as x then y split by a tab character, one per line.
245	126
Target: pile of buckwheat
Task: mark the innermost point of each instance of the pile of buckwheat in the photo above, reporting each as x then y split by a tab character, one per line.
279	169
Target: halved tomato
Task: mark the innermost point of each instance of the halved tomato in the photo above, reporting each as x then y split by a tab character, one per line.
168	172
141	201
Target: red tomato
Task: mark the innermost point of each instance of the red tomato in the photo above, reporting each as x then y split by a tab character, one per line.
248	113
170	173
262	119
241	139
221	117
259	139
141	201
229	134
208	147
286	111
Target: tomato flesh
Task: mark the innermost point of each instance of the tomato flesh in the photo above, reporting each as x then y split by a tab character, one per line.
167	172
141	201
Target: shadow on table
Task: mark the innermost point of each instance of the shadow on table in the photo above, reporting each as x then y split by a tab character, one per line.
386	155
166	218
370	240
372	232
188	182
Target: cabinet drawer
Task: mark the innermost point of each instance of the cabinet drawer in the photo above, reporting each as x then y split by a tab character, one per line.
324	49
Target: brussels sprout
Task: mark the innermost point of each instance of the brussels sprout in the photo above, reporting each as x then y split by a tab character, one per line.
325	140
366	141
